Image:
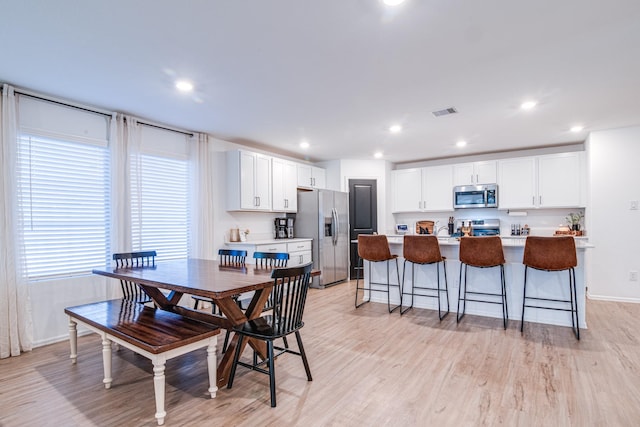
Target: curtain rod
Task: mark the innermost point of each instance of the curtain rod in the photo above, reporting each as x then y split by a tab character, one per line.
92	109
163	127
62	102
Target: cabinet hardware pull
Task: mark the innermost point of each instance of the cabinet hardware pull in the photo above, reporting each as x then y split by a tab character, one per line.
540	202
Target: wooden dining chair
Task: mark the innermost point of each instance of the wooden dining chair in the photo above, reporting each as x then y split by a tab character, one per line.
132	291
290	294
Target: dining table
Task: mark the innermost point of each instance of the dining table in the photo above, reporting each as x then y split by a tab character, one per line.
206	278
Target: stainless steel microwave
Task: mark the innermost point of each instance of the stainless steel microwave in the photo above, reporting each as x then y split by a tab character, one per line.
475	196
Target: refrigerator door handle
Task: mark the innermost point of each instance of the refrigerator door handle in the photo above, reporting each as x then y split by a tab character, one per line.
336	226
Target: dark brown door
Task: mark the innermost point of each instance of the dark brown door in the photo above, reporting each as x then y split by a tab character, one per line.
363	215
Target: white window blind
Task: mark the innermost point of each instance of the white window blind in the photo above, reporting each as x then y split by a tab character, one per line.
160	206
64	205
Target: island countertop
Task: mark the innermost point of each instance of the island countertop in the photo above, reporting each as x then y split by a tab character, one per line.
514	241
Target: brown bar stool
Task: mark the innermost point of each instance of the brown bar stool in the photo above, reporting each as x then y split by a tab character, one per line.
552	254
424	250
375	248
482	252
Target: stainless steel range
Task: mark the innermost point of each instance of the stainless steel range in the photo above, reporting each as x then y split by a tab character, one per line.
480	227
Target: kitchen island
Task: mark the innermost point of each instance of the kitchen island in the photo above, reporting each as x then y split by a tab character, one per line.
540	284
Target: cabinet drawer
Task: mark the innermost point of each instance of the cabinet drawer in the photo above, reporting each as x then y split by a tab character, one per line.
299	258
273	247
299	246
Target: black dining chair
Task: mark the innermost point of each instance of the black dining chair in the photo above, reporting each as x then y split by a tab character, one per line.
132	291
227	258
264	261
289	294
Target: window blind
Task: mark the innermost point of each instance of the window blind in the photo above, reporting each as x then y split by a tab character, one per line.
159	206
63	202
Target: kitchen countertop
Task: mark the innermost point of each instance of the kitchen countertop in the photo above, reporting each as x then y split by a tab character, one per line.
513	241
268	241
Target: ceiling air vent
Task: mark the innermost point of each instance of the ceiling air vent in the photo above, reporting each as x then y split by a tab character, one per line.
445	112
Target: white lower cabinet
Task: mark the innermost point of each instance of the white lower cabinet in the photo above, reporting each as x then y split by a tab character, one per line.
299	253
299	250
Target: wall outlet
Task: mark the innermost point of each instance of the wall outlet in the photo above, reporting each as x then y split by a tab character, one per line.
633	276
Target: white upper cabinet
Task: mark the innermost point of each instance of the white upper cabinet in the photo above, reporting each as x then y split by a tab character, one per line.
407	190
561	180
311	176
437	188
249	186
475	173
517	183
285	196
549	181
423	189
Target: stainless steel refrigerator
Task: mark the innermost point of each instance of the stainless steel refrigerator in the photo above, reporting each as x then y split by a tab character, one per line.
323	216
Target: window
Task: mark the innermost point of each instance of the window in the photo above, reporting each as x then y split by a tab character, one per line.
63	205
160	206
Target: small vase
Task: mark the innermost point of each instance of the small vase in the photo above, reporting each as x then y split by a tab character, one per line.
575	227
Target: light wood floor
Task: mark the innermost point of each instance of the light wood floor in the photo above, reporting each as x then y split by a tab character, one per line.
369	368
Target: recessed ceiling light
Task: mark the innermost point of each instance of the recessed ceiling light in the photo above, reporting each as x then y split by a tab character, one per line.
184	86
378	154
461	144
392	2
528	105
304	144
395	128
577	128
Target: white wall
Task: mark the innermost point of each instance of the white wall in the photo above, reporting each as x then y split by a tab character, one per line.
339	172
613	228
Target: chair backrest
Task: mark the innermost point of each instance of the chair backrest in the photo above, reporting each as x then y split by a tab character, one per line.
373	247
550	253
232	256
135	259
422	249
271	259
485	251
131	291
290	295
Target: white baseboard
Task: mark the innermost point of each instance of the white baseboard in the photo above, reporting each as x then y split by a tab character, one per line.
612	299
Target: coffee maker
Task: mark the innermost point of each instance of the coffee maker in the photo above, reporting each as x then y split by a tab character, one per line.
281	228
290	227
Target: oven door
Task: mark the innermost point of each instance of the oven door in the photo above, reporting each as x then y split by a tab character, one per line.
469	197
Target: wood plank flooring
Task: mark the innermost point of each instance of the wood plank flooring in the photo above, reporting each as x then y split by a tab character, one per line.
370	368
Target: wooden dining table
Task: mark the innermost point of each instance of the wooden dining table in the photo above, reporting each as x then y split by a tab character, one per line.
205	278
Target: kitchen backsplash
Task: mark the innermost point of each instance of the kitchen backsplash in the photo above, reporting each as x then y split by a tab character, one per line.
543	222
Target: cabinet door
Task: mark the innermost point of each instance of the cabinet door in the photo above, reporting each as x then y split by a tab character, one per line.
463	174
290	187
284	182
304	175
517	183
318	177
407	190
437	188
247	180
559	180
262	183
486	172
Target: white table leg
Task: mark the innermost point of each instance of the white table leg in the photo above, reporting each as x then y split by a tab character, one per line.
158	387
106	360
212	366
73	340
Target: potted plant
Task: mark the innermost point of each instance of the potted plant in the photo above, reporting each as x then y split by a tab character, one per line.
574	219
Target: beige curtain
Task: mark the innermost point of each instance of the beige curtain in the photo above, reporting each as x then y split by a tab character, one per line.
16	324
201	199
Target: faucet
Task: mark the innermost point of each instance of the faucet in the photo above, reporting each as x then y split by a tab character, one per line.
439	229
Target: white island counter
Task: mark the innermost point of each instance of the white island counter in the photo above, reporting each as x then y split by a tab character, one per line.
540	283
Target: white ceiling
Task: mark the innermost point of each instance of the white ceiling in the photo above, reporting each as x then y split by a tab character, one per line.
338	73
